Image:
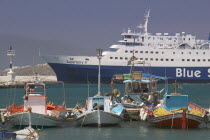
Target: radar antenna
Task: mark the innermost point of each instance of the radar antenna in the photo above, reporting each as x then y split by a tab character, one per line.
145	26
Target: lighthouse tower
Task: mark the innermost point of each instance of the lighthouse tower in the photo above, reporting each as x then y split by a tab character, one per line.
10	73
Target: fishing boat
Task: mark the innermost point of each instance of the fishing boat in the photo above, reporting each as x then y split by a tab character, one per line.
35	109
177	112
100	110
140	89
178	56
140	92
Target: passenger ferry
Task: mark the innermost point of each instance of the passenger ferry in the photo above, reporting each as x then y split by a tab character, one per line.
179	57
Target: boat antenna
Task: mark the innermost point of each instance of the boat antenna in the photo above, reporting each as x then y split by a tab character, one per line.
88	83
175	86
99	56
132	59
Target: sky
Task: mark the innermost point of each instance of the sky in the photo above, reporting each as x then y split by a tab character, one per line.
79	27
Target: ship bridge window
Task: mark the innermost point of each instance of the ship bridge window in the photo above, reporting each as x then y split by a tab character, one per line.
173	52
151	52
113	49
189	52
193	59
131	51
204	53
126	58
198	60
146	58
136	51
121	57
126	51
204	59
209	60
141	58
146	51
156	59
86	59
161	59
196	52
116	57
166	59
162	52
172	59
133	44
151	59
111	57
182	52
182	59
188	59
127	36
141	51
156	52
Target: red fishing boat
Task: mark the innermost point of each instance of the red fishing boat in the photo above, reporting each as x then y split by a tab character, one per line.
176	112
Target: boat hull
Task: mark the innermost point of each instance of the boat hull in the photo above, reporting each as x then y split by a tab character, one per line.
175	121
22	119
73	73
92	118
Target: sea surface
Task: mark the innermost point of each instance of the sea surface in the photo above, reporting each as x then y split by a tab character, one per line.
135	130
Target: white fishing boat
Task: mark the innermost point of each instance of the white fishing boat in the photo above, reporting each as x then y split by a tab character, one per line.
100	110
35	108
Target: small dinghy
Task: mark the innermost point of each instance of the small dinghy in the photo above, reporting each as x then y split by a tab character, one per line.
27	133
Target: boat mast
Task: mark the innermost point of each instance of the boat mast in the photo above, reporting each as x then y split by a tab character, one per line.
99	56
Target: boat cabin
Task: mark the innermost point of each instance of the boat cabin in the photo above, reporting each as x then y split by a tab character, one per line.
137	86
99	102
35	99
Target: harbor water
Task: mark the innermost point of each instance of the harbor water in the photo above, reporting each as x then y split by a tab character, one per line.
77	93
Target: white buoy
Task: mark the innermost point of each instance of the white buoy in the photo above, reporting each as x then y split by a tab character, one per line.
141	114
145	116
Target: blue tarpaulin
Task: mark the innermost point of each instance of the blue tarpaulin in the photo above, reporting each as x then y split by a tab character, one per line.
172	102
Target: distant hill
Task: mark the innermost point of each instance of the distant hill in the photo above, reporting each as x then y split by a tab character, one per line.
41	69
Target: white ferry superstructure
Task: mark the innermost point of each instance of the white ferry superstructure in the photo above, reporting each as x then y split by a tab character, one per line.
179	57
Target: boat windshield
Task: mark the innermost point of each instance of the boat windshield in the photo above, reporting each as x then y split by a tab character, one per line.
136	87
144	87
133	87
98	103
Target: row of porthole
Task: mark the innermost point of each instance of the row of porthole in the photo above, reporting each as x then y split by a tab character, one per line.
126	51
156	59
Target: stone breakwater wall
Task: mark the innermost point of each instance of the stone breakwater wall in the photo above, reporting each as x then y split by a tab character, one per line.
21	79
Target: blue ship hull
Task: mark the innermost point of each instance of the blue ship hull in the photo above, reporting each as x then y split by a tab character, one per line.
83	73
